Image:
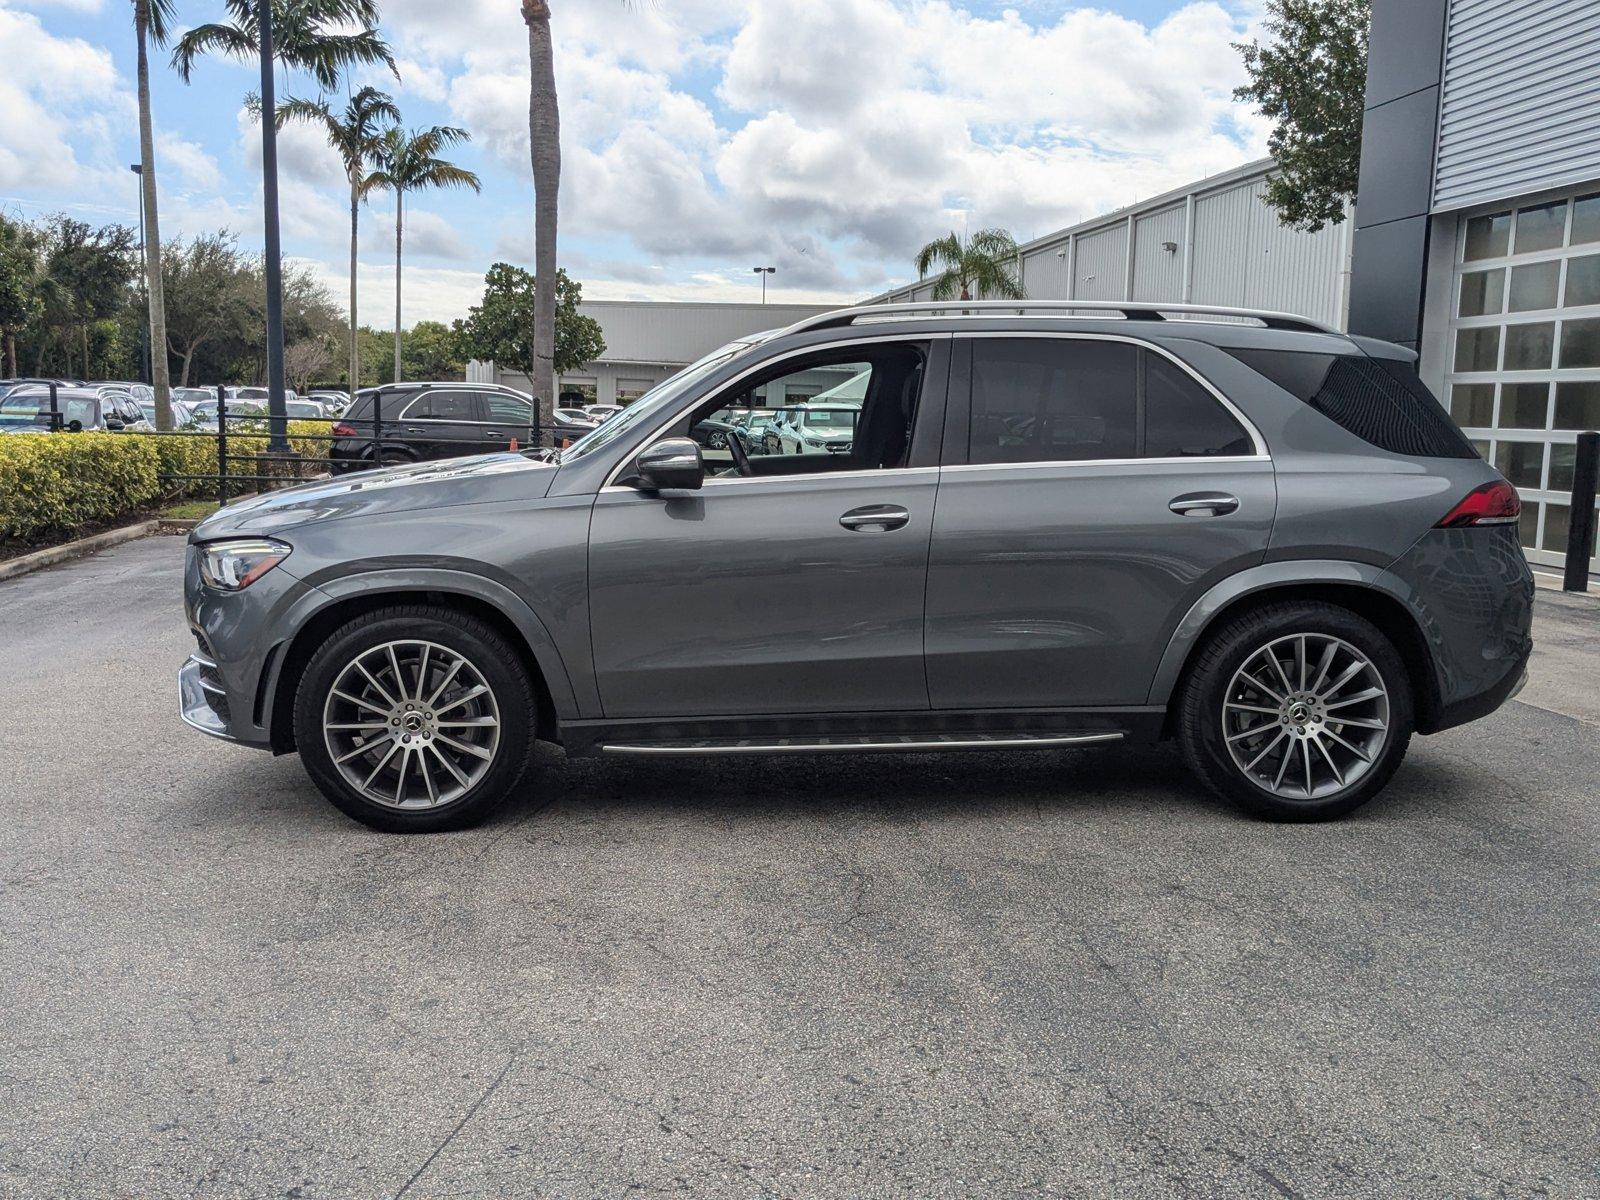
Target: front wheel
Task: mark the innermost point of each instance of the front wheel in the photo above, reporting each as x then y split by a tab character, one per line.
1298	711
414	719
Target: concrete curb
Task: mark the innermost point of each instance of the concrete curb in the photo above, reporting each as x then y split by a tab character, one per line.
40	559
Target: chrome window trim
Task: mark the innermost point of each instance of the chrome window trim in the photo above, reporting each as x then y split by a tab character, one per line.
800	351
1233	410
1111	462
725	481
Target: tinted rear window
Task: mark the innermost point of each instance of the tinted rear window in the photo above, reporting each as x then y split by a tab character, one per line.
1382	401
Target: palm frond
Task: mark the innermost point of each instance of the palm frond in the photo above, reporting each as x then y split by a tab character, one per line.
945	250
231	41
160	14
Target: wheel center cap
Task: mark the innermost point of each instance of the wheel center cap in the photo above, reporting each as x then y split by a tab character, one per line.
1299	713
412	722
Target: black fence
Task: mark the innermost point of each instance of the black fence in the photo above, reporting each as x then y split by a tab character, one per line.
246	461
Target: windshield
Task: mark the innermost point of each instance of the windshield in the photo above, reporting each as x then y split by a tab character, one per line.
662	396
302	409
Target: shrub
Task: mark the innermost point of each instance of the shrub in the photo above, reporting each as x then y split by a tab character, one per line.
54	482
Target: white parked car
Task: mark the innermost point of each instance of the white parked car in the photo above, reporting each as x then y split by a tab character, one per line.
602	412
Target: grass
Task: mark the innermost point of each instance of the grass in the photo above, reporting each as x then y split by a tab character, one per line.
188	510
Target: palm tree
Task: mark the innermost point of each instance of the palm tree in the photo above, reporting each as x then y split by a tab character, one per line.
982	264
544	147
409	162
355	136
315	36
151	23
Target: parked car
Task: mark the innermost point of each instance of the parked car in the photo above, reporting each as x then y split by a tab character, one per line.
123	408
243	416
815	428
334	401
27	410
426	421
713	431
1254	534
182	412
194	395
304	410
575	417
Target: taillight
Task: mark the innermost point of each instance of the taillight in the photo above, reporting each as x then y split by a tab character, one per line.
1494	503
343	430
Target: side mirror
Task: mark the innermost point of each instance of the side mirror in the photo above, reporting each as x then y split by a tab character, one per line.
673	464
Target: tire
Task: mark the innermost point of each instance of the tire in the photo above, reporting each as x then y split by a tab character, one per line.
1233	691
392	458
461	753
717	440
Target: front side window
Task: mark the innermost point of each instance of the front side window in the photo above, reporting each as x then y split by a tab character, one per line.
860	416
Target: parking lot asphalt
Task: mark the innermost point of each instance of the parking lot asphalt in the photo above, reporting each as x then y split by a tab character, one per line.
984	975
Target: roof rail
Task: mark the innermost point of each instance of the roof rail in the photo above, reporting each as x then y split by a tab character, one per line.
1131	310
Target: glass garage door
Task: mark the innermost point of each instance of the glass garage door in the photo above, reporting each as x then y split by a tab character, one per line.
1524	375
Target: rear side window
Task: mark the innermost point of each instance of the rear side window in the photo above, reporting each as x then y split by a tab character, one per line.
1074	400
1382	401
442	406
1052	400
1182	419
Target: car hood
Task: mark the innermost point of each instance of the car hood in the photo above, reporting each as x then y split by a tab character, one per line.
482	479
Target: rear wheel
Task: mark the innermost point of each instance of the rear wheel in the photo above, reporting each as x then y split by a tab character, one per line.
1296	712
415	719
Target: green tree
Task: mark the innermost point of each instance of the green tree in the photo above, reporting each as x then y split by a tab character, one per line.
92	271
432	350
151	23
1310	80
409	162
21	278
984	264
214	298
322	37
500	328
355	135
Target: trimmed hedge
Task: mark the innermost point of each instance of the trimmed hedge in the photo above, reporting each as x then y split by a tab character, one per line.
57	483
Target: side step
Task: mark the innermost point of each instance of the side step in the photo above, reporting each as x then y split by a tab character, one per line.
859	744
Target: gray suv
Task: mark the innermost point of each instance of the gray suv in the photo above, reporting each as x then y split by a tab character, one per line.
1055	526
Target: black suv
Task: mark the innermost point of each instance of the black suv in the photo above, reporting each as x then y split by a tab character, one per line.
422	421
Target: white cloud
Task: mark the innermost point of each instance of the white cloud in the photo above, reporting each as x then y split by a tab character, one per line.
57	100
188	161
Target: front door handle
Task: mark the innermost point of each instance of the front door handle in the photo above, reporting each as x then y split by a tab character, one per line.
493	433
1204	504
875	518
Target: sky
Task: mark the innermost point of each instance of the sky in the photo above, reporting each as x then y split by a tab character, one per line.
700	138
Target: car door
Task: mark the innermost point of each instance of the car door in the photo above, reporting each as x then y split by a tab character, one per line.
509	419
778	592
1093	489
444	423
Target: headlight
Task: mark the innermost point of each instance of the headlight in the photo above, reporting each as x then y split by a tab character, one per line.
233	566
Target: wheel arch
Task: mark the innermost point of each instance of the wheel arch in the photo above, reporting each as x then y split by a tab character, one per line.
1368	591
361	595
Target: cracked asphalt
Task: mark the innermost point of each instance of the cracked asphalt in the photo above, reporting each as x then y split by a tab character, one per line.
1014	974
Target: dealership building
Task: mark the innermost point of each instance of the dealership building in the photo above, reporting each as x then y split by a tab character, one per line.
1474	239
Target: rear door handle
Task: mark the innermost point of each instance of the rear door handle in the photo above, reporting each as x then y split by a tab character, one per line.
1204	504
875	518
494	433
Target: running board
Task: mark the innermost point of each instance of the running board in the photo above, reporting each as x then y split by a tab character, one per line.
900	742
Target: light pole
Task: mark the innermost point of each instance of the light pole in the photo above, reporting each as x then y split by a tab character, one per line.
764	272
144	290
277	412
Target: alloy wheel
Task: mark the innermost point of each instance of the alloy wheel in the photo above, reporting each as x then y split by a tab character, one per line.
411	724
1305	716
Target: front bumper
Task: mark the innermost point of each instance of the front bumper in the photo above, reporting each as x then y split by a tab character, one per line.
202	700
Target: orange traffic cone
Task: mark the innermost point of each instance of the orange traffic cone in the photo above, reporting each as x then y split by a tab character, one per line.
513	443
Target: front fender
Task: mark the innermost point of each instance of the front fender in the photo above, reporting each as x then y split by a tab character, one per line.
1286	573
327	590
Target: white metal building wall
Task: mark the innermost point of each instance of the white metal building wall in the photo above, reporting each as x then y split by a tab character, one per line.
1519	109
1157	271
1231	249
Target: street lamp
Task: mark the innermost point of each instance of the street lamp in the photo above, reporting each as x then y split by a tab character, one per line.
144	289
764	272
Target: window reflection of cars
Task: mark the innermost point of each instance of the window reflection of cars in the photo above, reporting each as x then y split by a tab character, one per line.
817	429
